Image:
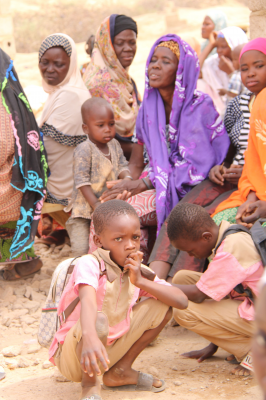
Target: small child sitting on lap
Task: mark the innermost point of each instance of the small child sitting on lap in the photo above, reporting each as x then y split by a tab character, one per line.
108	330
97	160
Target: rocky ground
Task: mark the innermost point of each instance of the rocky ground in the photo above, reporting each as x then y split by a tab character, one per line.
29	374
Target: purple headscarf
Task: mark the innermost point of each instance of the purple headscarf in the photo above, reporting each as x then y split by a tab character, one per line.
197	136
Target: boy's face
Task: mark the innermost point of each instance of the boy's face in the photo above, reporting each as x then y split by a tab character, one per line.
201	248
121	236
99	125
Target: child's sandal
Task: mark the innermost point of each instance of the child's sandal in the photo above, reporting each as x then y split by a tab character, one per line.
92	397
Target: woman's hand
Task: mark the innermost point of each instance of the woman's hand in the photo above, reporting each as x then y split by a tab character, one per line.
233	174
254	211
243	209
93	350
226	65
213	38
122	189
216	174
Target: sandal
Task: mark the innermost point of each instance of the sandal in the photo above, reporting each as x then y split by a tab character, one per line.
145	383
13	273
92	397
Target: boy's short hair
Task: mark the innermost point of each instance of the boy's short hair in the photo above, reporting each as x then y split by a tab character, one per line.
188	221
109	210
93	102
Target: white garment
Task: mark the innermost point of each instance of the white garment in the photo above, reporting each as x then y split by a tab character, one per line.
62	110
234	36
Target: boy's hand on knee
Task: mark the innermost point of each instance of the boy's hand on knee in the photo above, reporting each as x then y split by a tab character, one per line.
93	350
133	264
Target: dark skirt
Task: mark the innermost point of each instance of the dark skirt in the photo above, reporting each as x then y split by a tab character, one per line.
208	195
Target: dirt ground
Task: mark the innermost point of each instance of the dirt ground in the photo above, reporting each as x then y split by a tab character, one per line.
20	310
21	302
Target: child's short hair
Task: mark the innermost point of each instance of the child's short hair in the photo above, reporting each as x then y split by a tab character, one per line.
188	221
107	211
93	102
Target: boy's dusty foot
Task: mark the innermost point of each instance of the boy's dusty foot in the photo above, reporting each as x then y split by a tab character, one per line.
241	371
202	354
119	377
88	389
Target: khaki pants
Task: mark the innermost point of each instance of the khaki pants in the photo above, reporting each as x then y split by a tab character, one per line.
146	315
216	321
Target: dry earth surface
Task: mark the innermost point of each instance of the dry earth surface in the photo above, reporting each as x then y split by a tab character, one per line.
28	374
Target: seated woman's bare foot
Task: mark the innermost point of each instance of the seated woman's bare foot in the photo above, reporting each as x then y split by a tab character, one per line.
202	354
118	376
241	371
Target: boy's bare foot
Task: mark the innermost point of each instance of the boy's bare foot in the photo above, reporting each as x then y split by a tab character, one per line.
241	371
120	376
202	354
89	388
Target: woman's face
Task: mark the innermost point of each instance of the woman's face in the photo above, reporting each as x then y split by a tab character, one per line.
207	27
125	46
162	68
253	70
223	49
54	65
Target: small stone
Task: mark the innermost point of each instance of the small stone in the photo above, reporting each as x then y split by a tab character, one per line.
174	369
47	364
37	361
35	285
11	364
60	378
176	351
193	370
7	293
18	306
34	348
2	373
35	296
32	306
11	299
45	284
173	393
28	330
28	292
20	291
153	371
23	362
2	361
27	319
177	383
20	312
11	351
6	320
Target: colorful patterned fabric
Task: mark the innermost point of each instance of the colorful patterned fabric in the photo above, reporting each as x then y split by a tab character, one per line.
7	232
10	198
226	215
253	178
236	121
171	45
105	77
54	41
29	171
59	137
53	200
197	136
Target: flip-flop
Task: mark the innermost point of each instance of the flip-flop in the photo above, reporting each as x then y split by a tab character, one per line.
92	397
145	383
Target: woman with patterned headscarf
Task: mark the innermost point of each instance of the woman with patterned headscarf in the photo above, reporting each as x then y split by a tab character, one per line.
177	126
108	76
23	177
61	122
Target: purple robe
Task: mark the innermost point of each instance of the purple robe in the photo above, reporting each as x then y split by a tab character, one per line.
197	136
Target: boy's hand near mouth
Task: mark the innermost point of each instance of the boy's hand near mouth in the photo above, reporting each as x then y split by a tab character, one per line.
169	295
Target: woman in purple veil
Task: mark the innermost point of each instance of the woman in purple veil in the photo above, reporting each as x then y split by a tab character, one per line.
178	128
